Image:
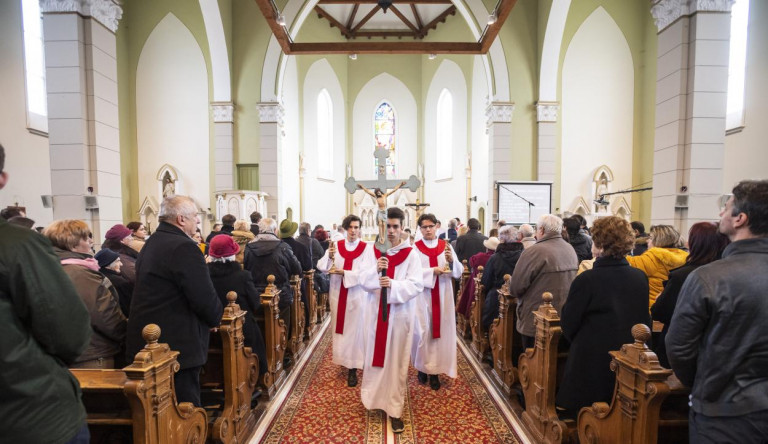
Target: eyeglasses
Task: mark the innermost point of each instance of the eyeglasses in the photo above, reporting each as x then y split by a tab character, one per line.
427	227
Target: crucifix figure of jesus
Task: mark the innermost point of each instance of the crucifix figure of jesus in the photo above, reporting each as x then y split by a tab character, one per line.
378	190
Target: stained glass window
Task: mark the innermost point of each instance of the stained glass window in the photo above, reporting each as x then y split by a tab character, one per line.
384	135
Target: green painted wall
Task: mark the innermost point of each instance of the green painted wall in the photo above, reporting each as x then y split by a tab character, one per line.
634	19
140	17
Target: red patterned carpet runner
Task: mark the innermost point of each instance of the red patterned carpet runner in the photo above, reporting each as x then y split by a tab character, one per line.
322	409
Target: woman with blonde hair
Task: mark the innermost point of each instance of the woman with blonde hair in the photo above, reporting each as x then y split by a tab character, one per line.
663	254
242	235
602	306
73	243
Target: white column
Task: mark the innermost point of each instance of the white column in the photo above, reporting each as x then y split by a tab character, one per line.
223	120
270	140
499	115
83	130
691	90
546	118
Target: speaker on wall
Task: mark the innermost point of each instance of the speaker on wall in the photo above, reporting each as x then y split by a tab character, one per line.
47	200
91	203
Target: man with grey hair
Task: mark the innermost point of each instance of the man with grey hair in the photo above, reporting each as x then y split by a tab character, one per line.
174	290
266	255
312	245
548	265
526	235
502	262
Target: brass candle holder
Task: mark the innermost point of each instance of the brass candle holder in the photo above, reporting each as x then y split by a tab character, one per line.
447	266
332	255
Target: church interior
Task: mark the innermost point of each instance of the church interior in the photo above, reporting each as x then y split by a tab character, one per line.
643	109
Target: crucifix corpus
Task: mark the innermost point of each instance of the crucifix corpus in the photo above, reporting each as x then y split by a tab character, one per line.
378	190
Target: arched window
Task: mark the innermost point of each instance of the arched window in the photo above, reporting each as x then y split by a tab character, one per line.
384	135
444	135
736	65
34	65
324	134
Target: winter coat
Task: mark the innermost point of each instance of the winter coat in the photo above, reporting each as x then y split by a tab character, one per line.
225	229
103	304
45	327
174	291
128	257
549	265
641	244
124	289
664	307
717	337
656	262
468	296
501	263
602	306
242	238
230	276
301	252
582	245
470	244
268	255
313	245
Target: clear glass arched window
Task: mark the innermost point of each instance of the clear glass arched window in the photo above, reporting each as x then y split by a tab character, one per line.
384	135
324	134
34	66
444	135
737	65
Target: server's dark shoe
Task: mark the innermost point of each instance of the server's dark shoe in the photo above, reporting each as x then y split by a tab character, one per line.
434	382
352	377
422	378
397	425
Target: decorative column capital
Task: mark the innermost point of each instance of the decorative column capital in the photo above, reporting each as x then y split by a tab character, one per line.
666	12
271	112
547	111
499	112
223	112
106	12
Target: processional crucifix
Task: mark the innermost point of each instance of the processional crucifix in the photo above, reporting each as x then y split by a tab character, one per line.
378	190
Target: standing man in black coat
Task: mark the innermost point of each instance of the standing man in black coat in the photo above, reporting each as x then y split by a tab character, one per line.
227	227
471	243
174	291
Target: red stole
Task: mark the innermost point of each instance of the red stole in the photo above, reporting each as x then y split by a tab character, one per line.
349	258
380	346
432	254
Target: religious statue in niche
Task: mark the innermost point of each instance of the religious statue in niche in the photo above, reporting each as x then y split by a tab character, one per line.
602	187
169	186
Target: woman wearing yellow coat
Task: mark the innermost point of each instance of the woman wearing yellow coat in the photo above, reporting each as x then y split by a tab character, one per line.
661	256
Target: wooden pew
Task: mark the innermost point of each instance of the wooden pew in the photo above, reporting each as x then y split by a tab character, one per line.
538	377
233	369
275	337
502	339
649	404
323	309
140	400
479	340
296	339
311	323
462	323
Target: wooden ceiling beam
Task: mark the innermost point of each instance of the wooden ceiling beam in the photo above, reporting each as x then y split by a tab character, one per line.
404	19
385	34
323	14
280	33
418	18
439	19
378	47
365	19
492	31
352	15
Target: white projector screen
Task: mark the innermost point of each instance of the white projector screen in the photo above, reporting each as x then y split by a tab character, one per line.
514	210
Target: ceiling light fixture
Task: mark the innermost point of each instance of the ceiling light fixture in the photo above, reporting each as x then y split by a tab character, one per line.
492	18
353	56
280	19
432	56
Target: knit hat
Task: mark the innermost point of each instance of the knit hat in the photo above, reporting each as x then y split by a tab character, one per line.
118	232
106	257
287	228
491	243
223	246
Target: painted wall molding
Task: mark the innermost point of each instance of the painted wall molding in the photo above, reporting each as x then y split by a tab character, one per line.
106	12
666	12
271	112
